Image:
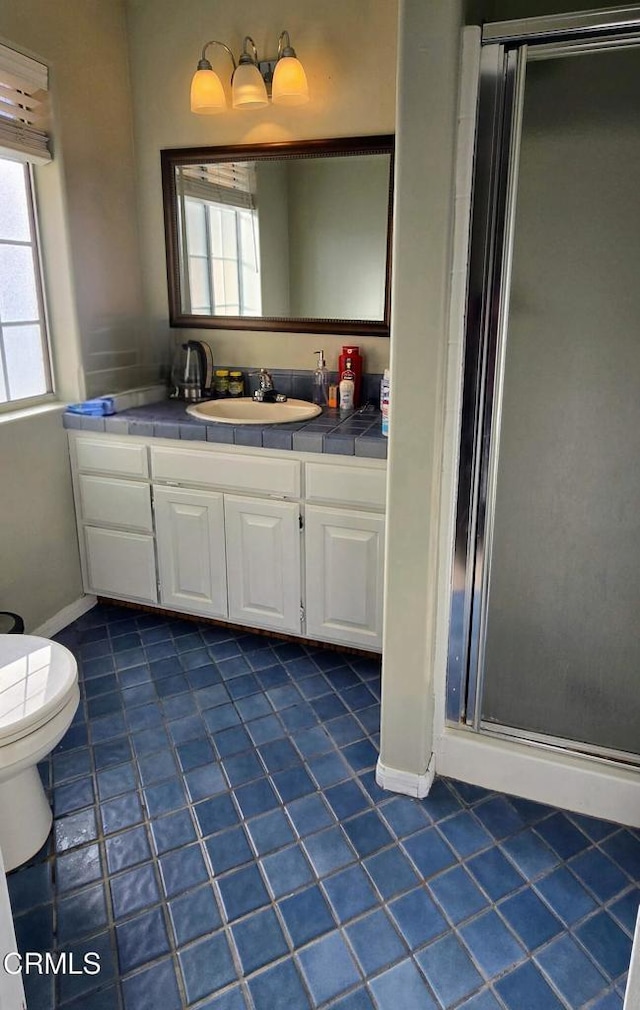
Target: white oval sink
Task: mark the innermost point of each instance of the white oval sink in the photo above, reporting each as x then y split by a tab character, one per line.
245	410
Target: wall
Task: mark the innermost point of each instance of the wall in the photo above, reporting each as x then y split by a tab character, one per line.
84	45
349	53
338	225
420	294
272	194
92	280
40	570
478	11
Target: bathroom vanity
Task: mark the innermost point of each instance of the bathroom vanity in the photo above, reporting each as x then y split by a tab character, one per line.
282	540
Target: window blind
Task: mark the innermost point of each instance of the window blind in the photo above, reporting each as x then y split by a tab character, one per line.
231	182
24	108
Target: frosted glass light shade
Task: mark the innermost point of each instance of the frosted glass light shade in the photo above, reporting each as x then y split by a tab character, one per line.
248	90
207	94
289	82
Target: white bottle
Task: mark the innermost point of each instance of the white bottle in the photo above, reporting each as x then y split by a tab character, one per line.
347	389
385	394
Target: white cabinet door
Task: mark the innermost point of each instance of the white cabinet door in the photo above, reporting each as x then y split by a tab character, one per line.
344	576
191	552
263	562
120	564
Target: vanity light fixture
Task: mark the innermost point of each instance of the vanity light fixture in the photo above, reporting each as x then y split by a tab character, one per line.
248	89
250	79
289	85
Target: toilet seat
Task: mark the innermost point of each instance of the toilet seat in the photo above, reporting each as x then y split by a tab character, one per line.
37	678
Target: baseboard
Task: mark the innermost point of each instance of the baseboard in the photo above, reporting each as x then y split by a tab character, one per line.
65	616
571	781
408	783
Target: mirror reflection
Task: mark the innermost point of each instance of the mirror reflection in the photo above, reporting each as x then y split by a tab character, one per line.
273	240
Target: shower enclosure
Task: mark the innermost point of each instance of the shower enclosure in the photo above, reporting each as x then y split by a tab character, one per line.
545	614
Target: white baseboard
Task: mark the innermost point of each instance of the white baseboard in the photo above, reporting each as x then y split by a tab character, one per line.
65	616
570	781
408	783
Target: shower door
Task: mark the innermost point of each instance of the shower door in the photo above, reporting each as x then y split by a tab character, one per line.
545	640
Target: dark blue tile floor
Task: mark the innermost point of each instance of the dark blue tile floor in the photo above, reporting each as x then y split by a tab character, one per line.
220	841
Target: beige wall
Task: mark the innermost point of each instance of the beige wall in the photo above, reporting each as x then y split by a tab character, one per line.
338	214
507	10
84	44
272	194
40	569
86	199
349	52
420	295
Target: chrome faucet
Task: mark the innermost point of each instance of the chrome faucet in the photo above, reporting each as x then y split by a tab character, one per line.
266	393
266	380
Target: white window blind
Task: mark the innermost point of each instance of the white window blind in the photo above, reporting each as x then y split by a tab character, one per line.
231	182
24	108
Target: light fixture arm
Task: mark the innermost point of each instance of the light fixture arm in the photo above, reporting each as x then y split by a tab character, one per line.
204	63
247	57
285	49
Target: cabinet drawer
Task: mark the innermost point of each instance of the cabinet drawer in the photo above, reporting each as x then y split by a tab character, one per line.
264	475
363	486
120	564
105	501
125	459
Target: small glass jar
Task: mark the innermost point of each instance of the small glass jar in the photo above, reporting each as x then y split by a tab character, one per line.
221	382
236	383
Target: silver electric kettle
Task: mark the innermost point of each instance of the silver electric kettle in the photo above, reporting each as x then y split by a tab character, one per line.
192	371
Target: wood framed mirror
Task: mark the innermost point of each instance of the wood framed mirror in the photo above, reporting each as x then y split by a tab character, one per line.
281	237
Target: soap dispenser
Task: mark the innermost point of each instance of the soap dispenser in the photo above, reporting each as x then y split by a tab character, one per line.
320	381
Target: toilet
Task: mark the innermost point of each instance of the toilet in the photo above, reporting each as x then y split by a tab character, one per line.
38	698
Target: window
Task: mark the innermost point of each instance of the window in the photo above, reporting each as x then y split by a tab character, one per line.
220	236
24	358
224	272
25	372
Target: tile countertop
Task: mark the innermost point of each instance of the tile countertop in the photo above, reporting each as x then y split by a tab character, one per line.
358	434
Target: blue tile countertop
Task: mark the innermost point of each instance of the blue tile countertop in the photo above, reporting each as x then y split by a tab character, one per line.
358	434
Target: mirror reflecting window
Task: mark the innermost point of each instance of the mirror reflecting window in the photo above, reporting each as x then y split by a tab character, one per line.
281	236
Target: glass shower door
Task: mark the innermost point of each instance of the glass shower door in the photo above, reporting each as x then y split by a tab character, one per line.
554	637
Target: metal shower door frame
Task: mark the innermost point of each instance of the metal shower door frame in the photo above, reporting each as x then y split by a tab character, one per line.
507	47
